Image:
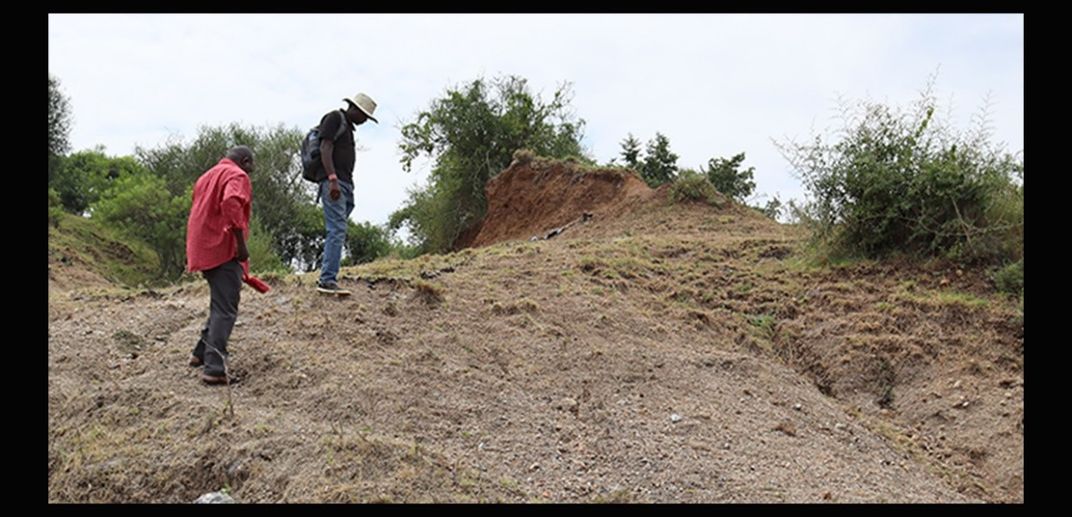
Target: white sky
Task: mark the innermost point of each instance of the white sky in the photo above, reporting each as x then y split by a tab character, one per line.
715	84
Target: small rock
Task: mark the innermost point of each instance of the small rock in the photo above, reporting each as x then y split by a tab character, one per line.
215	498
726	446
236	469
675	418
797	407
787	428
956	385
567	404
534	466
840	427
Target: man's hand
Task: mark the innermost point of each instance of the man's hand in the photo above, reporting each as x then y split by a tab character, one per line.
333	188
243	252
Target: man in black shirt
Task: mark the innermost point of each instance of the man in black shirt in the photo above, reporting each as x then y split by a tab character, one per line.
337	190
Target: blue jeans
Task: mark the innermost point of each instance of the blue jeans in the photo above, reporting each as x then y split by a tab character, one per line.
336	215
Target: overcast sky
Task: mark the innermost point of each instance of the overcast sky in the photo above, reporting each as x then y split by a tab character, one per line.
715	84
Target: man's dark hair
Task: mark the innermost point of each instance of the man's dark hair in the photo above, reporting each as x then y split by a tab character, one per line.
239	153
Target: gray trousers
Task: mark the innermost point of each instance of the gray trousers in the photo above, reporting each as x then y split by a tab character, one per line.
225	284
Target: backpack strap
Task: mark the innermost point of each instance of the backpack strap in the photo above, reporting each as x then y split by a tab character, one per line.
342	125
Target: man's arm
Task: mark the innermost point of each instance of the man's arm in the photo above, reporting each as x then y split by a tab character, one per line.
327	148
243	253
237	195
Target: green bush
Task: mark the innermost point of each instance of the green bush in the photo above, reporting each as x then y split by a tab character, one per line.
55	207
773	209
366	242
896	181
690	185
1010	279
262	258
141	207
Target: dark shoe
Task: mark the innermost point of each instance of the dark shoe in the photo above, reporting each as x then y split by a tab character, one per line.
331	288
215	380
196	361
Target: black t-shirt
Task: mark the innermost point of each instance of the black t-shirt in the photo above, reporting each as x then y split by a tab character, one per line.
344	155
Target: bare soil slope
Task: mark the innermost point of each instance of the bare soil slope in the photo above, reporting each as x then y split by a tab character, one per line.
656	353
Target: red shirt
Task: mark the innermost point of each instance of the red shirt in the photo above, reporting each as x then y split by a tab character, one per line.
222	199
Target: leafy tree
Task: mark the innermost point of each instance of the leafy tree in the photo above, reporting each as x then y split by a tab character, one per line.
282	200
660	164
469	135
59	123
728	177
631	152
81	177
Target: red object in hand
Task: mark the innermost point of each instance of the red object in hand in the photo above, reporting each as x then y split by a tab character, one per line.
253	281
257	283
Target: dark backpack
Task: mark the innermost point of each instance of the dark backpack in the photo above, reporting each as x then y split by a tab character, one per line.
312	167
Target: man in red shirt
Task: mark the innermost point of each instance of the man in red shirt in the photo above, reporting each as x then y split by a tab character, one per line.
216	236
